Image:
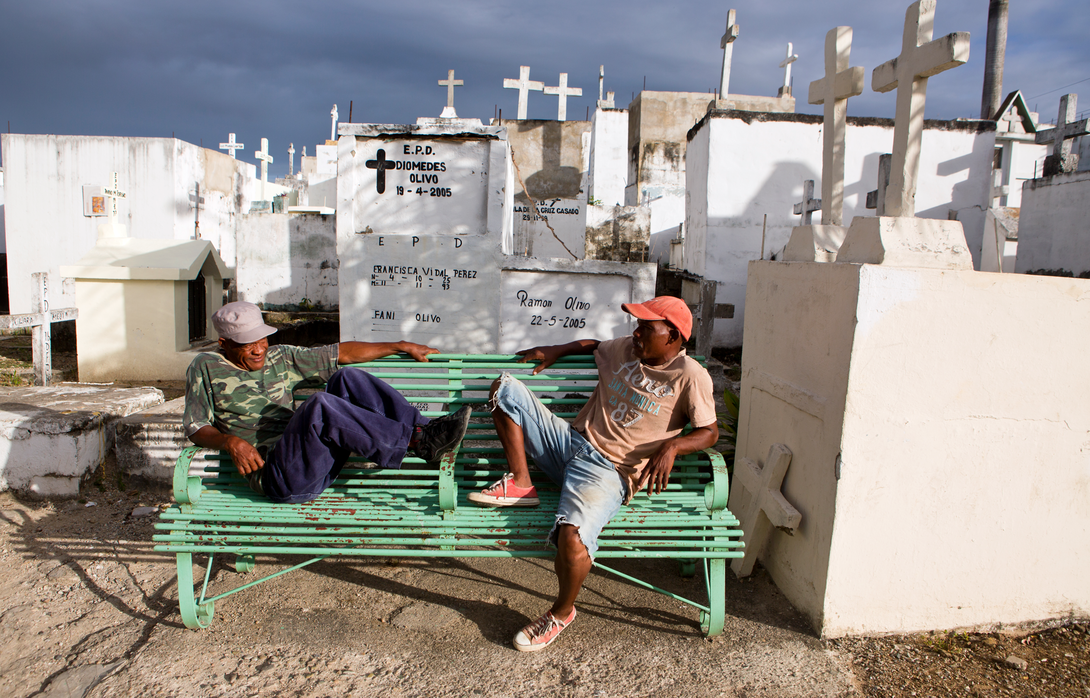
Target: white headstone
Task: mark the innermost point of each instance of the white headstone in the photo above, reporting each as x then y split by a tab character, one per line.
786	65
333	128
230	146
113	192
523	85
727	44
908	73
562	90
291	159
450	83
832	91
265	158
1066	128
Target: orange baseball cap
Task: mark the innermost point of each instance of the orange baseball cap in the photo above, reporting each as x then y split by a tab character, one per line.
668	308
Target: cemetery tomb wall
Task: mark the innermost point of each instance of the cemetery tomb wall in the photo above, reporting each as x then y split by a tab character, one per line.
748	165
1021	161
3	234
918	477
618	233
288	261
1053	225
45	179
608	156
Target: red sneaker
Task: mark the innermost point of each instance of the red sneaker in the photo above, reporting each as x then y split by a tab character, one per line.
541	633
505	493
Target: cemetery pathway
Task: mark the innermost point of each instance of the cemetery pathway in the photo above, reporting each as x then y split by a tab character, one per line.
88	608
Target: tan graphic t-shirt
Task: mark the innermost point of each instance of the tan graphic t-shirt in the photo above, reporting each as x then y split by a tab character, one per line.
636	408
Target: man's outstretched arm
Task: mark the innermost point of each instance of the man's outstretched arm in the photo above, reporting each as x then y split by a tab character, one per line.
551	354
362	352
657	473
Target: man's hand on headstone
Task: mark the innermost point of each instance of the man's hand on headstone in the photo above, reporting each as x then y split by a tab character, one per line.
657	473
418	351
246	457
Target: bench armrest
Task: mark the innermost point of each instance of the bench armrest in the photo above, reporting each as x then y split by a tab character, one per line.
187	490
718	490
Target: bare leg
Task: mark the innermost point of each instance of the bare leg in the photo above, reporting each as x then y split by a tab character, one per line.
511	438
572	567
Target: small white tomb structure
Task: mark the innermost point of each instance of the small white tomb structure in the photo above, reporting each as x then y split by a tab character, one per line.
144	306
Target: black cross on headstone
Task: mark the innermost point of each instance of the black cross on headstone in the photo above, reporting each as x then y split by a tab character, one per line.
381	164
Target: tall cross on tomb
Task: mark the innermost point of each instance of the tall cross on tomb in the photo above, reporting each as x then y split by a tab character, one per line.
291	159
197	202
785	91
833	90
230	146
265	158
113	192
333	128
562	90
523	85
809	204
1066	128
727	44
908	73
450	83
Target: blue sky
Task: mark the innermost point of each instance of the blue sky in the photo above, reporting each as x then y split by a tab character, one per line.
274	69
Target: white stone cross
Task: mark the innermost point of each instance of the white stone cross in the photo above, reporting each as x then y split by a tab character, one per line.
197	202
920	59
833	90
291	159
523	85
786	65
40	322
114	193
809	204
450	83
765	505
333	128
265	158
727	44
230	146
562	90
1066	128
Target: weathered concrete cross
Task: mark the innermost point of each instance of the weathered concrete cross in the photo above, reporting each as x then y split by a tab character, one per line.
603	103
265	158
562	90
40	322
114	193
765	506
809	204
333	128
197	202
1062	159
291	159
727	44
920	59
450	83
523	85
230	146
833	90
785	91
876	198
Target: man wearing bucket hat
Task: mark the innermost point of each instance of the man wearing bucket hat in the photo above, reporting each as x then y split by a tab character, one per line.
624	439
239	400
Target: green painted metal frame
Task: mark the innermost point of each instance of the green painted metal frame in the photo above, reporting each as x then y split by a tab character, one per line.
438	527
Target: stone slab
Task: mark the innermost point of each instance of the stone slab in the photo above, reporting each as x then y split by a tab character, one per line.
52	437
923	243
814	243
148	442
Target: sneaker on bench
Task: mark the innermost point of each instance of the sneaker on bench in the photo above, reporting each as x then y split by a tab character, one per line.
541	633
505	493
441	435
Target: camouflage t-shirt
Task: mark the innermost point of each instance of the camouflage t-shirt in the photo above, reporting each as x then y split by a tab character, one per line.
252	405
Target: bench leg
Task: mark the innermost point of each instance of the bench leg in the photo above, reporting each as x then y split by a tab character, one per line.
194	615
712	622
687	568
244	563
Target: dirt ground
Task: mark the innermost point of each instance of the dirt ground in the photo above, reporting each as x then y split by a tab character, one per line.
88	608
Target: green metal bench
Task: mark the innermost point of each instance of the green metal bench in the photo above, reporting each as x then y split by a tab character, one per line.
421	510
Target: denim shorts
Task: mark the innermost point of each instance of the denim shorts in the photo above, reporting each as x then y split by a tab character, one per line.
591	489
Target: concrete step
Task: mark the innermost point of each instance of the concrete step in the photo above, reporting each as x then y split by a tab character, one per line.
51	438
148	444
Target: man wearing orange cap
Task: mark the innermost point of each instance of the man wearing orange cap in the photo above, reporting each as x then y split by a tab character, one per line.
624	439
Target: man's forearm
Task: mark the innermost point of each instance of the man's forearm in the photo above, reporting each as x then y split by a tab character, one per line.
695	440
362	352
210	437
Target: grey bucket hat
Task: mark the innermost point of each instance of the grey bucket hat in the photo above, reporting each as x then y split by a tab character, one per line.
241	322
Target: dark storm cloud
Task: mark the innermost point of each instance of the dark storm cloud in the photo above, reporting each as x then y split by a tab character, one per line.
274	69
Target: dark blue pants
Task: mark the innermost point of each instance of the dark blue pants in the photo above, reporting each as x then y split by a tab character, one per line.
357	413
